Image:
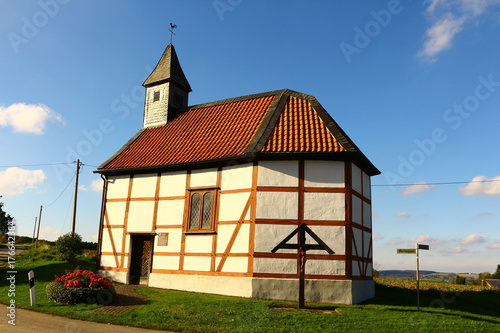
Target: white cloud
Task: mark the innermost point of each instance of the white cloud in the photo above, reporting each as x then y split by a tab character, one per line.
14	181
50	233
426	239
96	185
447	18
28	118
485	214
440	35
481	185
457	249
403	214
472	239
417	188
494	246
94	238
377	237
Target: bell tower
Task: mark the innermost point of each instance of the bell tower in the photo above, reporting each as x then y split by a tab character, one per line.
167	89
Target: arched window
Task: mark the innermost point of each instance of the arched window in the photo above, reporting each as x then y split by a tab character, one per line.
201	210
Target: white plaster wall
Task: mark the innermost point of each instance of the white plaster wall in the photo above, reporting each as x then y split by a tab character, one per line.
117	187
224	233
109	261
277	205
325	267
357	211
369	270
144	186
223	285
278	173
174	240
366	238
333	236
197	263
236	265
232	205
173	184
116	212
170	212
324	174
241	243
367	215
117	234
140	216
324	206
127	244
355	268
357	235
204	177
367	186
267	236
356	178
237	177
275	265
199	244
166	262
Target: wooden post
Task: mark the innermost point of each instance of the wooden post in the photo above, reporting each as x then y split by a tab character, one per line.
302	268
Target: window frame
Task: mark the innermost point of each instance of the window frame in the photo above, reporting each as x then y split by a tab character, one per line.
201	192
156	96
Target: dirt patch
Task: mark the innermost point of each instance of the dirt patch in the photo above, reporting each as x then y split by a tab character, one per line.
326	310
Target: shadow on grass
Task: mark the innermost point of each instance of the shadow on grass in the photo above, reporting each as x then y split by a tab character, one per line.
485	302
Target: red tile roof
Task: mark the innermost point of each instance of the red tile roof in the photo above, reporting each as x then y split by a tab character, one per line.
281	121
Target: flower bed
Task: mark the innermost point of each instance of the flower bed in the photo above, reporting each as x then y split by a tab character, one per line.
81	287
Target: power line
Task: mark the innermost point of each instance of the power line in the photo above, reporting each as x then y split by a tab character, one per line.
47	206
441	183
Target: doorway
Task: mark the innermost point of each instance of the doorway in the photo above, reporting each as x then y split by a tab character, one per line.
140	261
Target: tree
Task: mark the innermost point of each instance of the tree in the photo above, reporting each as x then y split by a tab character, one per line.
484	275
460	280
497	273
5	221
69	246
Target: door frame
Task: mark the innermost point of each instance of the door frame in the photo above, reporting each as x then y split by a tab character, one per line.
132	279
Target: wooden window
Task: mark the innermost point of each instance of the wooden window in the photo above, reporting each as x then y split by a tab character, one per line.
201	210
156	96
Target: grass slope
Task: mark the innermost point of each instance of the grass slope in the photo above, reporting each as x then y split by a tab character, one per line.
446	308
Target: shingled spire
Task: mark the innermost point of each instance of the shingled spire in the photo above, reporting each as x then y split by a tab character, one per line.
167	89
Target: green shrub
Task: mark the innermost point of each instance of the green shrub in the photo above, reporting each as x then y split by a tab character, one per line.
81	287
69	246
460	280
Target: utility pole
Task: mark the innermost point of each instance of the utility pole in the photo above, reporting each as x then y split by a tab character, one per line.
39	222
76	196
34	230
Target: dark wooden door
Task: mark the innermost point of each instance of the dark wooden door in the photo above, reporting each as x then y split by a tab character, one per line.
140	263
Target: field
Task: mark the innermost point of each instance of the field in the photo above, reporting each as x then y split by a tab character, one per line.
446	308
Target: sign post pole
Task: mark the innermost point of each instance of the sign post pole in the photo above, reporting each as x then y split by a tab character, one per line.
31	278
411	251
418	279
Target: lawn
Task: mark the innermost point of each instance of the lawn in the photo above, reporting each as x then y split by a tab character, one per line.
446	308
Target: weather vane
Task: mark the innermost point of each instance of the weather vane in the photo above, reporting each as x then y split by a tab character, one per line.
172	33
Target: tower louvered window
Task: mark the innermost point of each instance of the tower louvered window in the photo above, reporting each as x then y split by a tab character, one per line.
201	210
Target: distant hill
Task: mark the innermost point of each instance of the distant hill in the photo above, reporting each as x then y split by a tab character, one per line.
409	274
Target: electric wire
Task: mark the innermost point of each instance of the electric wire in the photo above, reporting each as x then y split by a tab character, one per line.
61	192
439	183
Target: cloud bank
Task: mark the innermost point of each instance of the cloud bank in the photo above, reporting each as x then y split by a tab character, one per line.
28	118
15	181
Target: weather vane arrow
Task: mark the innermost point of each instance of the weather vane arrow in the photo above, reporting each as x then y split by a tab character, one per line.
172	33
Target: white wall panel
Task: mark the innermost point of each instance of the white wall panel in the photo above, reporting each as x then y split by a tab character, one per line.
237	177
204	177
199	243
366	238
117	187
333	236
367	215
242	241
267	236
116	212
324	206
144	186
174	240
355	269
224	233
277	205
357	213
356	178
140	216
197	263
278	173
275	265
366	186
108	261
236	265
357	235
325	267
232	205
166	262
117	234
173	184
324	174
170	212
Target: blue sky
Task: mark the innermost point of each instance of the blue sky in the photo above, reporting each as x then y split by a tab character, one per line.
416	85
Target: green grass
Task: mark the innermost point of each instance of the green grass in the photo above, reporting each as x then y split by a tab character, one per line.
446	308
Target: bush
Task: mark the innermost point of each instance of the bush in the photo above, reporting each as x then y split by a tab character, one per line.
69	246
81	287
460	280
